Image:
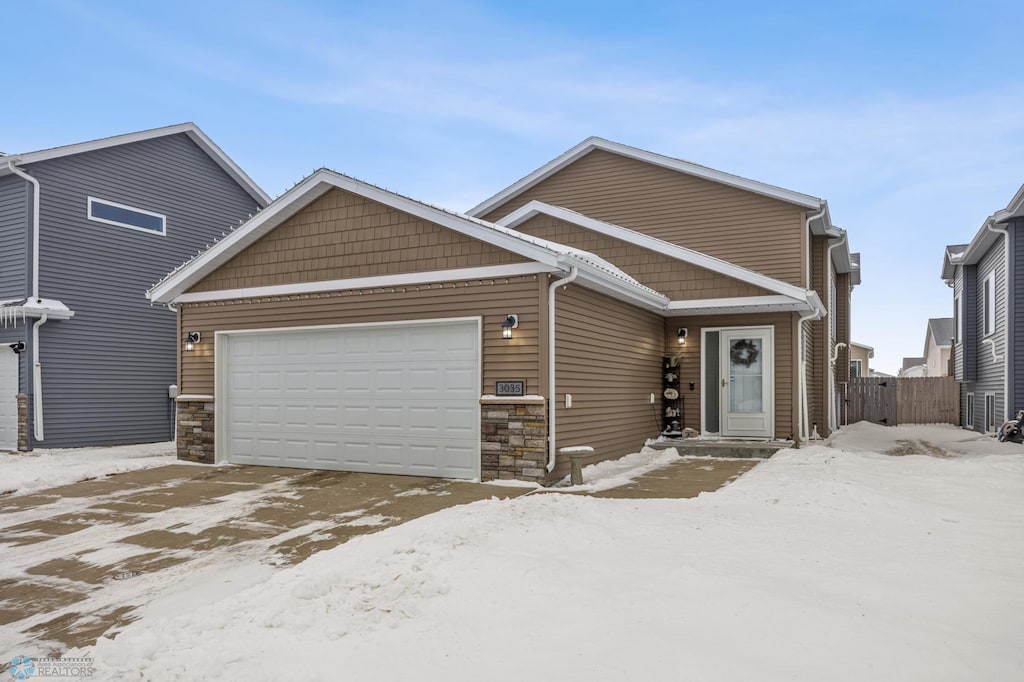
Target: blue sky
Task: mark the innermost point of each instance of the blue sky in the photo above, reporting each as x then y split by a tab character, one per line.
907	116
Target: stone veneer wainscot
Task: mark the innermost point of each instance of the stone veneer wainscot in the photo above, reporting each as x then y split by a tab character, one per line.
513	438
195	428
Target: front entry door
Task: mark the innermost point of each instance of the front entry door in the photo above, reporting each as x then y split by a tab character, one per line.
747	374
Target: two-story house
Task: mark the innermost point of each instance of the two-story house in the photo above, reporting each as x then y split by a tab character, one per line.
610	296
85	359
987	277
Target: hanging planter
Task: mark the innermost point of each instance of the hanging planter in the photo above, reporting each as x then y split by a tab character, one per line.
743	353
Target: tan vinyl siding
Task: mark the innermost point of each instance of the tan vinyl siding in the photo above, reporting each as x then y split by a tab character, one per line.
342	235
843	327
817	386
512	359
608	356
690	363
742	227
672	277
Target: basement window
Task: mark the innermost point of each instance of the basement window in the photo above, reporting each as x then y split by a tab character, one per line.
103	211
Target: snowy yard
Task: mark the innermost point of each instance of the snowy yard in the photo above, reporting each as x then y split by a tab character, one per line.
27	472
820	564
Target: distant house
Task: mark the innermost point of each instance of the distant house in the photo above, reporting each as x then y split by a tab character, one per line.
860	359
914	367
987	276
938	343
85	229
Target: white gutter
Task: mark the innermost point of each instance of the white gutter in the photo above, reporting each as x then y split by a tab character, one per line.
571	277
37	368
832	311
1007	408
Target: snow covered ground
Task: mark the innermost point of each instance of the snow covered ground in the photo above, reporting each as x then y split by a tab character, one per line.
820	564
30	471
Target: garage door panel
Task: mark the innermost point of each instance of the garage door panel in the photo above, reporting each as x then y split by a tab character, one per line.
391	399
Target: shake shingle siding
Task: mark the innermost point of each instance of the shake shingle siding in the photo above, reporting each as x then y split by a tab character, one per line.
106	371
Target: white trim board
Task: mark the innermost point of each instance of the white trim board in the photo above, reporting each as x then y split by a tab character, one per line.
399	280
681	253
745	304
591	143
190	129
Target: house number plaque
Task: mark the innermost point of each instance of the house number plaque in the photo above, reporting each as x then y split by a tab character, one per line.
506	388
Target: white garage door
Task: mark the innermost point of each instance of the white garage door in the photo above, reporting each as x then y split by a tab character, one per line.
8	398
394	398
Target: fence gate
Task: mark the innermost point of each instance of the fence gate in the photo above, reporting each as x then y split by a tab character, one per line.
871	399
892	401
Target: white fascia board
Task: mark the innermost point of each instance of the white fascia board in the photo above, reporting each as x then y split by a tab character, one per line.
317	184
382	281
605	282
191	129
741	304
642	240
687	167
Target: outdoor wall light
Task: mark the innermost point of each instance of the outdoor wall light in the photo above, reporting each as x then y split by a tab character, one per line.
191	340
18	347
682	336
510	322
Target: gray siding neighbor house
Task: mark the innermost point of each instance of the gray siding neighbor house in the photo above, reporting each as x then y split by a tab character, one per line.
987	277
77	336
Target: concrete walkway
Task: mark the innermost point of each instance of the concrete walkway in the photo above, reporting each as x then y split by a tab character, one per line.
83	560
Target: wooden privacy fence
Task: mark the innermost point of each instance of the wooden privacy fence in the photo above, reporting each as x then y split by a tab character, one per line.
892	401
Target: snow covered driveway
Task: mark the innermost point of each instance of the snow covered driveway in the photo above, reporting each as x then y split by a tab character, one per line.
819	564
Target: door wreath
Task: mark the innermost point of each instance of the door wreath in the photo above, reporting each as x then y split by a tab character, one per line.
743	353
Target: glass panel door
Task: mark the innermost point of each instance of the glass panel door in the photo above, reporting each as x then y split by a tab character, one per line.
746	359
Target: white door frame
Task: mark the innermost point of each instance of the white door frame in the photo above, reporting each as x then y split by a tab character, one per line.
769	332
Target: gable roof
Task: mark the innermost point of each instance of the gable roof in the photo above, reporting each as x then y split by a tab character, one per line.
189	129
869	349
940	330
688	167
680	253
984	238
594	272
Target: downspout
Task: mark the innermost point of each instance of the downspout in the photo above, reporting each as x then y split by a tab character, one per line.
37	368
832	367
37	381
802	370
803	421
1007	409
568	279
832	311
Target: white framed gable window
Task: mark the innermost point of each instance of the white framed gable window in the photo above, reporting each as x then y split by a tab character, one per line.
111	213
990	412
988	304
